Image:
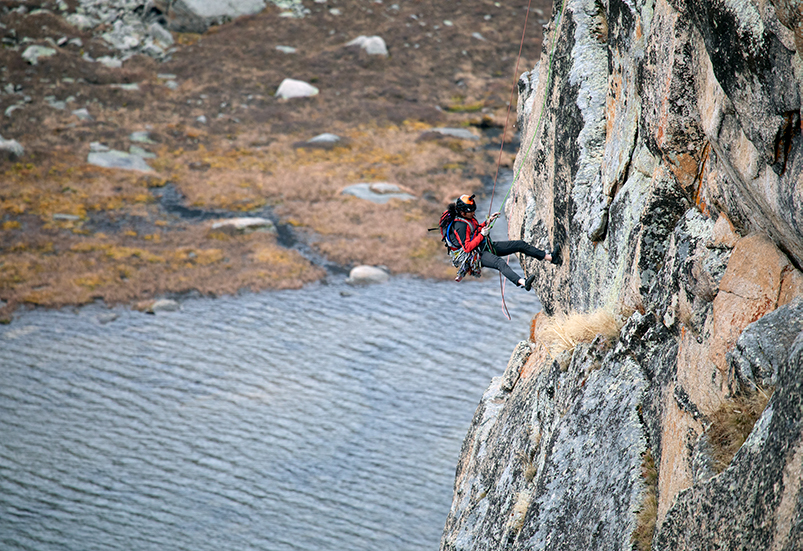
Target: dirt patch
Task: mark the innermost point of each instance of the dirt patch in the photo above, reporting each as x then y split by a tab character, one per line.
223	145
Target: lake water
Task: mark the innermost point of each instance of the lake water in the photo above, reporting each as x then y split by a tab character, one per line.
328	418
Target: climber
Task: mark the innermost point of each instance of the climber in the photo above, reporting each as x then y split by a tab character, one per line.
470	247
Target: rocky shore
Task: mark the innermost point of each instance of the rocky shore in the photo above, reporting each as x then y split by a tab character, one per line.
130	128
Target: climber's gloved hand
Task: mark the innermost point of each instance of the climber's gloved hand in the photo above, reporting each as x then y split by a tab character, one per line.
485	231
494	216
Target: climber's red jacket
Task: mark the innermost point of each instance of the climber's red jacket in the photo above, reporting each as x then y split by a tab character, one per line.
465	233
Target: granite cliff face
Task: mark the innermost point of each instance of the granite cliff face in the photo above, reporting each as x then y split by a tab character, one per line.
668	161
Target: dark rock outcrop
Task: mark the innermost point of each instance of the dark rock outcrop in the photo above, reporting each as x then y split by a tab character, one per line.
661	145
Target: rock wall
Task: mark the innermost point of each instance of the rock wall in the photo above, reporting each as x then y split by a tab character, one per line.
661	146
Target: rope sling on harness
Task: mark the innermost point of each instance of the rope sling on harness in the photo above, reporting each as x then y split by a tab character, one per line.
558	24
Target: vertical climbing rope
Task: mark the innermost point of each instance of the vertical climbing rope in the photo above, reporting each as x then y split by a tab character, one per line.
558	23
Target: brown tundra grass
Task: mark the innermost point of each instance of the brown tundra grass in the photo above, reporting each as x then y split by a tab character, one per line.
564	332
732	423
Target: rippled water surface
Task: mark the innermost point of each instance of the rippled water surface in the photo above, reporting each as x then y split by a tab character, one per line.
329	418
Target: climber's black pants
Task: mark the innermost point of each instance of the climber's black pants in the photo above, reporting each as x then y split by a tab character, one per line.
492	253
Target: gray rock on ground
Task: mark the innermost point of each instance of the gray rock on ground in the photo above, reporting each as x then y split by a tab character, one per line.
373	45
163	305
244	225
367	275
292	88
32	54
100	155
11	149
378	192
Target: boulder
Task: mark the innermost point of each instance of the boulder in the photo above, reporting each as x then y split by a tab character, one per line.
366	275
291	88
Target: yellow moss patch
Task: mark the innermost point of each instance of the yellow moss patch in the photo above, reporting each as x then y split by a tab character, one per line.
11	225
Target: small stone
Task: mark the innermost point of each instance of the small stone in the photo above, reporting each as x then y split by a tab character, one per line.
373	45
461	133
12	108
244	225
140	136
103	319
66	217
11	149
81	21
55	104
201	119
160	34
172	84
110	62
139	152
378	192
325	138
132	87
286	49
33	53
478	36
291	88
366	275
118	159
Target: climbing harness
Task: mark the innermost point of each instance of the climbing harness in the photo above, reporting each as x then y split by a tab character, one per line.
558	24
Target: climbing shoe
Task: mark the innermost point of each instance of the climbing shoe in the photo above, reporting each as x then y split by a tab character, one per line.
557	258
528	283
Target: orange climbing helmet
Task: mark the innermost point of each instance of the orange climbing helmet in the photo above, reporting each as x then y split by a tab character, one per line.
465	203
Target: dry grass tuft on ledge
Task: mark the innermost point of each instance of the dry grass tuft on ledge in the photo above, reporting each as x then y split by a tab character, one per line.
732	423
564	332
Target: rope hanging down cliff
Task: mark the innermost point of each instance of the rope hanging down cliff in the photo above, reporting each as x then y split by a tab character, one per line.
558	23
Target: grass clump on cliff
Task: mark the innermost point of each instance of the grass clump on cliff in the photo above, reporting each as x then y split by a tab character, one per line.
563	333
648	510
732	423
